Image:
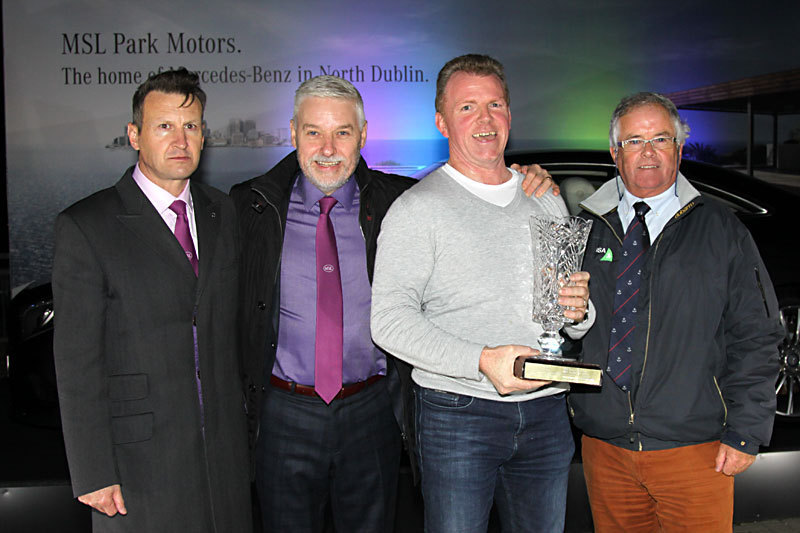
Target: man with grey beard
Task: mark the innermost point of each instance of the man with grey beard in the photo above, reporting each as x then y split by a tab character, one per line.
316	444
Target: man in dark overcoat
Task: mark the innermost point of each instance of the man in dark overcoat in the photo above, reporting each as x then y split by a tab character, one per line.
145	284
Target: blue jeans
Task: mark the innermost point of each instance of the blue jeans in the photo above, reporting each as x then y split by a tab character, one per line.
472	451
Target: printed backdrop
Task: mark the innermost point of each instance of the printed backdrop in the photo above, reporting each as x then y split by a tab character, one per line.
71	68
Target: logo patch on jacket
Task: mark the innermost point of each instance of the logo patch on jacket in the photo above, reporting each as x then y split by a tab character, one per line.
608	255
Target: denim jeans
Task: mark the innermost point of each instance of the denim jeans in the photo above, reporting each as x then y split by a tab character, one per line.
473	451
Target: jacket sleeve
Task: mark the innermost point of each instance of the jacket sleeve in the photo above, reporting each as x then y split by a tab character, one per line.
752	332
79	298
403	266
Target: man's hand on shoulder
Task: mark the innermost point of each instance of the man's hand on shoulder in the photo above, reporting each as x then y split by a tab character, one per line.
731	461
537	180
497	364
107	500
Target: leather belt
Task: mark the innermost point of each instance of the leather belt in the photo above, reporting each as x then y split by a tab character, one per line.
305	390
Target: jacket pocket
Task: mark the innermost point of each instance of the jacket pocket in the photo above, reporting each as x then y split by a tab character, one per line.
127	387
761	290
133	428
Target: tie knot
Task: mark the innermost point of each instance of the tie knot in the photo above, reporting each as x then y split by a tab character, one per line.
641	209
326	203
178	207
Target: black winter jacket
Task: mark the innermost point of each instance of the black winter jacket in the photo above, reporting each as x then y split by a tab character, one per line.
708	328
262	204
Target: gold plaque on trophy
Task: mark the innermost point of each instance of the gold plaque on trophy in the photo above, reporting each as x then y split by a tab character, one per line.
553	369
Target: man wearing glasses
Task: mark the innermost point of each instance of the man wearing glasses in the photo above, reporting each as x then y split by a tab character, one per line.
686	332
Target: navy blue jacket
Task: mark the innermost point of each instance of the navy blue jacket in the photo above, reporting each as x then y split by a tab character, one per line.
708	328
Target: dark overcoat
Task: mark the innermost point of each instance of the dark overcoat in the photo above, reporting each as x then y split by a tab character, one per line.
125	300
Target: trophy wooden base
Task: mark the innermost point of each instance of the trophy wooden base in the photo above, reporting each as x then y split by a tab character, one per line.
565	370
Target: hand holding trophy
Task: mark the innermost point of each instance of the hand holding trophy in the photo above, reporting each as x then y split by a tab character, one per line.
558	247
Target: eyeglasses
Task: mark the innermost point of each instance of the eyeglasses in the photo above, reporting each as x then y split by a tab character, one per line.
637	145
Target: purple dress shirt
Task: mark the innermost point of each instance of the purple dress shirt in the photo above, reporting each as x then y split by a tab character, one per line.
295	355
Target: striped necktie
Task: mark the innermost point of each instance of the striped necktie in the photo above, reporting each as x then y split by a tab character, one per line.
629	277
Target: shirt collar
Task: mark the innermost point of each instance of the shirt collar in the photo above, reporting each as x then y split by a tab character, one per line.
311	195
160	198
657	203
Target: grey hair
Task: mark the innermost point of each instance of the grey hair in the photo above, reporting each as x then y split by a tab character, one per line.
329	87
635	101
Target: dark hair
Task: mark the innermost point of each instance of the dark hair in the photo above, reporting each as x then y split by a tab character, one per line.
478	64
179	81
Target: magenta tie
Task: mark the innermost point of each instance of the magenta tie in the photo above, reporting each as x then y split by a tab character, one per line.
328	345
182	232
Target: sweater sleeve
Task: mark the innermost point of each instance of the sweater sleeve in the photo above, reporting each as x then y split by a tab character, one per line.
403	266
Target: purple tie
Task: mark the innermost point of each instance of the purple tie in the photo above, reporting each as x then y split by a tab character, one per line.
185	239
182	232
328	345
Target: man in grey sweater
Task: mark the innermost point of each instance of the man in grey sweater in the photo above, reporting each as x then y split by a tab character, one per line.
452	295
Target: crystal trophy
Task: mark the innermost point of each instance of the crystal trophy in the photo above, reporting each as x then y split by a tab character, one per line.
558	247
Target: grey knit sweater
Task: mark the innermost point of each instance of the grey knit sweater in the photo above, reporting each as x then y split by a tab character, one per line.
452	275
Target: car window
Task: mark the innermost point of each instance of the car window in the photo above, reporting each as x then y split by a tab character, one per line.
574	190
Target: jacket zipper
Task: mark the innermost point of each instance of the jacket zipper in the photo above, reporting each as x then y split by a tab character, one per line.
649	311
722	399
631	419
647	335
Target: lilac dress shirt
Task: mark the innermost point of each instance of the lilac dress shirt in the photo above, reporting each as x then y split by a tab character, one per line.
295	355
161	200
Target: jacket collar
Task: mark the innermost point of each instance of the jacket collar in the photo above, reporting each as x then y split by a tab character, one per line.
606	199
276	185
